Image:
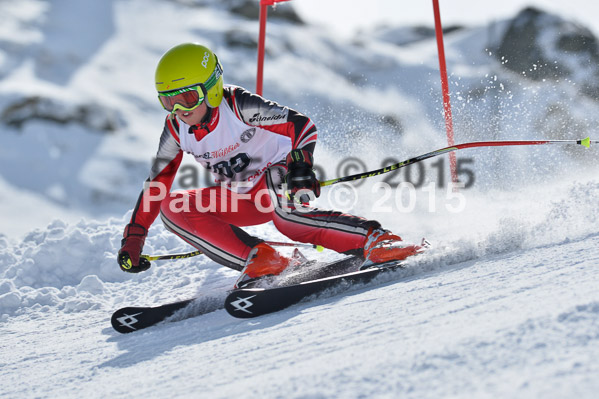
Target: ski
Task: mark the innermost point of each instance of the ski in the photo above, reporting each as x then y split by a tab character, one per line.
134	318
253	302
287	289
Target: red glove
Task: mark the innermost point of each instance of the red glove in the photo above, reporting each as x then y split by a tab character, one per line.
129	258
301	176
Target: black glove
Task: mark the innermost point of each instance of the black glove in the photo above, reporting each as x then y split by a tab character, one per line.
129	258
300	176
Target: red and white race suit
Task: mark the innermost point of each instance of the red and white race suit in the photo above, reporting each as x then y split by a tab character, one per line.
243	144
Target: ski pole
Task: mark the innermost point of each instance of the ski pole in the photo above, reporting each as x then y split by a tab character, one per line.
319	248
584	142
172	256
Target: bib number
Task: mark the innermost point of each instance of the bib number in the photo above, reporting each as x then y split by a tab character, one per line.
235	165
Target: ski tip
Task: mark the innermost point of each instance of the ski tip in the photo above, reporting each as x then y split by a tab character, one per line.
586	142
319	248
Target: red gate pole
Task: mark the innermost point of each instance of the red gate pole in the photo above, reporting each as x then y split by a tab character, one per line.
261	40
264	4
445	89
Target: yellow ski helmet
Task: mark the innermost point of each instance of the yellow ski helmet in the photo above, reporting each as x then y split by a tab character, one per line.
187	65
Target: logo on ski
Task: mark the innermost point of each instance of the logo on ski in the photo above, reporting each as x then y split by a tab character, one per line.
129	320
243	304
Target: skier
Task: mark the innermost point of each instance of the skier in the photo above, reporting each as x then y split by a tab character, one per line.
261	154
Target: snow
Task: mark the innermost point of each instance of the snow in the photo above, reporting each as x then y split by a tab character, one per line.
505	304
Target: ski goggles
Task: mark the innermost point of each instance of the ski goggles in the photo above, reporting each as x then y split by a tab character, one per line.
186	99
190	97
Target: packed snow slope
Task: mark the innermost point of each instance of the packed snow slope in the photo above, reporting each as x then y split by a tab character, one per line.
505	304
515	314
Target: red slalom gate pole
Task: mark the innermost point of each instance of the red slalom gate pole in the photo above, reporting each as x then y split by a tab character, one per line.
445	88
264	4
261	40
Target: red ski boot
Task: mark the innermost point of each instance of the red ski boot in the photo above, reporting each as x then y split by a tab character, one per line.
383	246
264	260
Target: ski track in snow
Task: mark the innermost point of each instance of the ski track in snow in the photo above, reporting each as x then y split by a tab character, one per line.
466	319
519	324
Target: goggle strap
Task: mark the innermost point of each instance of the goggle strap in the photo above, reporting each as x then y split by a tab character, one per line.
216	74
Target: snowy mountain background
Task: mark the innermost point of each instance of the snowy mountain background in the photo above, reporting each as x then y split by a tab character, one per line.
505	304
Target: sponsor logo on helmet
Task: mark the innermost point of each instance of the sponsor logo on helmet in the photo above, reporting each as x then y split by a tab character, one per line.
258	118
206	59
248	134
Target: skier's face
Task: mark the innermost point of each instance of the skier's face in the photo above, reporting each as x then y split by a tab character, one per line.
193	117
